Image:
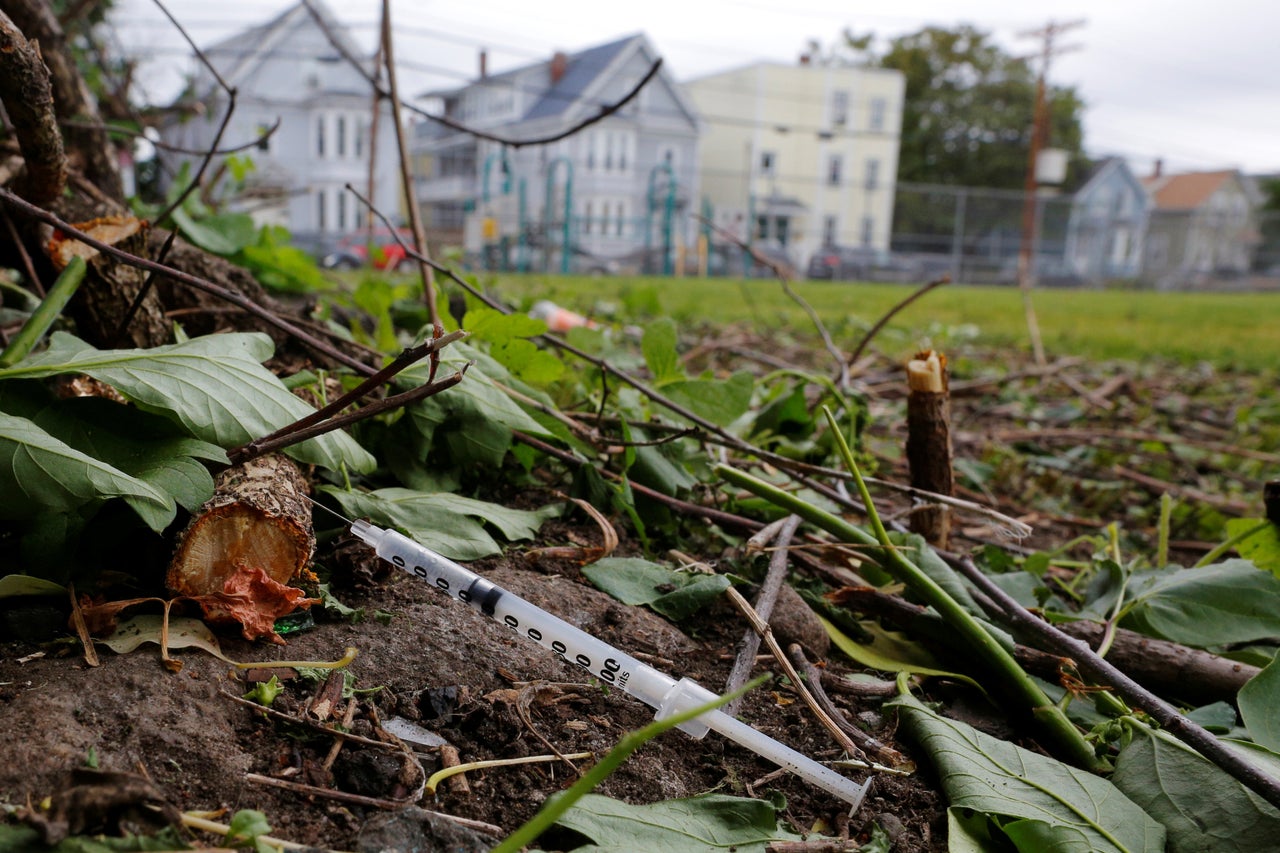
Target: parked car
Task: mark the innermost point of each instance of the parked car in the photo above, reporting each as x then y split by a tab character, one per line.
845	263
775	254
353	251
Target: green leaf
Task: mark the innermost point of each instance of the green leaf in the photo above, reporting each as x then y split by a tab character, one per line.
659	348
474	418
890	651
1228	602
214	386
40	475
1199	804
1263	547
711	822
523	359
18	585
676	595
1037	803
138	443
487	324
1259	700
449	524
219	233
265	692
246	827
721	402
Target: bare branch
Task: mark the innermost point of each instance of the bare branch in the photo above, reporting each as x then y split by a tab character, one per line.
889	315
121	130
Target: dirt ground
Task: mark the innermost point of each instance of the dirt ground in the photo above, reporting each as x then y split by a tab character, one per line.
452	671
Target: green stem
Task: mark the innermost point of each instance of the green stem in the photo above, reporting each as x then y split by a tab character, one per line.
1162	531
1208	559
46	312
974	633
629	743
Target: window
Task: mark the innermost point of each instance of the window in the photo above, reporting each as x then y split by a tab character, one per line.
875	122
834	164
590	142
342	211
321	223
873	174
604	218
586	218
624	142
608	152
782	225
868	230
340	143
762	228
840	107
768	163
321	121
622	216
362	131
830	225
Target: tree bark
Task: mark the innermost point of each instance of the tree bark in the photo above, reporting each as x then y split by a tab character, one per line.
28	100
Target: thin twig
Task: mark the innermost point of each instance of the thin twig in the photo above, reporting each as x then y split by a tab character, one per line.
1099	670
406	169
872	747
408	357
765	600
181	277
121	130
784	276
889	315
762	628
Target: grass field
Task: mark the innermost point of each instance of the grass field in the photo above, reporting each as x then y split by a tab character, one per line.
1225	329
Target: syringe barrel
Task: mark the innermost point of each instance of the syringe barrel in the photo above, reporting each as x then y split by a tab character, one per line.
569	643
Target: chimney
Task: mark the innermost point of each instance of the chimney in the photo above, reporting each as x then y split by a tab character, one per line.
484	63
1157	170
559	64
805	58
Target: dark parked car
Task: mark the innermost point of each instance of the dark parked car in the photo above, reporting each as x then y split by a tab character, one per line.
843	263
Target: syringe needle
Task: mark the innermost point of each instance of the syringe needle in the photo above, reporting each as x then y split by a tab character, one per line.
334	513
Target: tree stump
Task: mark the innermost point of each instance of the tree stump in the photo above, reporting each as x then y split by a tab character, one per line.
929	442
258	518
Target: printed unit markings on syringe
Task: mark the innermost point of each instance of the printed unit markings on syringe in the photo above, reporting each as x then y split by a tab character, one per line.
488	594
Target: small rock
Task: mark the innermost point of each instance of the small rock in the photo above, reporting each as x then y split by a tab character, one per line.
368	773
793	621
415	830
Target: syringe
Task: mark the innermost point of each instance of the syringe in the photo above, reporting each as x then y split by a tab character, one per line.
603	661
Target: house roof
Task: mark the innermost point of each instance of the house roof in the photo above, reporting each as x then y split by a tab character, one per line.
237	56
1186	191
581	70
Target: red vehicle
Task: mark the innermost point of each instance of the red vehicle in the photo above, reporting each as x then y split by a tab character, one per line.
353	251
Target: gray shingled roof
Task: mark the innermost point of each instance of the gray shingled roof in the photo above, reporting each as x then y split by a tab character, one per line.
581	71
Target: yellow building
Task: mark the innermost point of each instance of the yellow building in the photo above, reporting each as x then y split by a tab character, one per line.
801	156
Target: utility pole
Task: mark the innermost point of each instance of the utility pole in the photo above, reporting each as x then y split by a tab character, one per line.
1047	34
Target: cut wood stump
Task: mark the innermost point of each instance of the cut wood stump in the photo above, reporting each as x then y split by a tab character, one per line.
929	442
258	518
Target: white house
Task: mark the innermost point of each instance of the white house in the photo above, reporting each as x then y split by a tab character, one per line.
287	69
802	156
626	182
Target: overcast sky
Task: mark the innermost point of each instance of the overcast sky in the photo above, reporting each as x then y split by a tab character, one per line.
1196	84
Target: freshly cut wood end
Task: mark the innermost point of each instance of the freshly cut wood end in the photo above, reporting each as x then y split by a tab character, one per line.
927	372
108	229
258	517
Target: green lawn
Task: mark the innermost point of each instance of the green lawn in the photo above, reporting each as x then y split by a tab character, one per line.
1226	329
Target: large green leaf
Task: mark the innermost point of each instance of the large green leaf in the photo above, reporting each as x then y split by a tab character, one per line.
890	651
1228	602
140	444
214	386
219	233
1262	547
1036	803
707	824
450	524
40	475
473	418
633	581
1259	700
720	401
1199	804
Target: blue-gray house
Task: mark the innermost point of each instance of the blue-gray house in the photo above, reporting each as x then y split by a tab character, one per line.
624	183
1106	225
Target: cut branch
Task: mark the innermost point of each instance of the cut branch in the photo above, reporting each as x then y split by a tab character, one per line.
28	100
